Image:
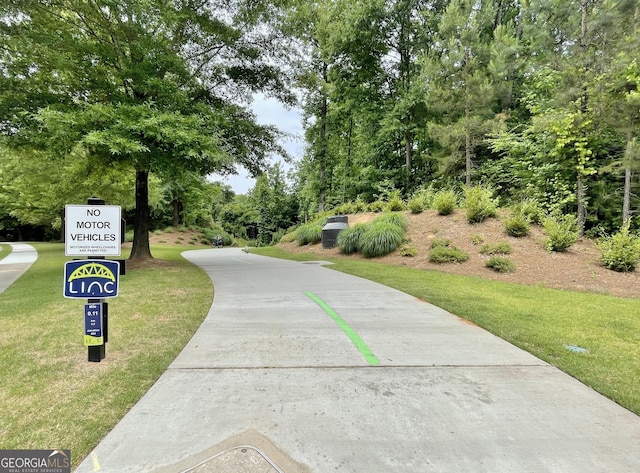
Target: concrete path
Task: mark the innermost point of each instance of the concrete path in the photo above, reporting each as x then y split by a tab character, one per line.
299	368
16	263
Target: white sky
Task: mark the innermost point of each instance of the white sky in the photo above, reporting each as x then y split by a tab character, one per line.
270	112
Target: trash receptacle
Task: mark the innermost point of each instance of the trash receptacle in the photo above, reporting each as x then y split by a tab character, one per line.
332	228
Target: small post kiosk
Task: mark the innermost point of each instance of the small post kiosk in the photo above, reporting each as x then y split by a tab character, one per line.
93	230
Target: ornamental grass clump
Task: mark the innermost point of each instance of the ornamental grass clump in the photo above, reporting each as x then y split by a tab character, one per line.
621	251
394	218
310	233
380	239
349	238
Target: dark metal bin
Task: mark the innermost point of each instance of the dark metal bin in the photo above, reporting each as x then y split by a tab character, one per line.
332	228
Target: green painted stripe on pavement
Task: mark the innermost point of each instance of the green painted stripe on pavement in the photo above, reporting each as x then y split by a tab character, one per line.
353	336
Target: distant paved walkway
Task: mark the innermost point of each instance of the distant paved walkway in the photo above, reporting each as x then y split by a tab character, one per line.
298	368
16	263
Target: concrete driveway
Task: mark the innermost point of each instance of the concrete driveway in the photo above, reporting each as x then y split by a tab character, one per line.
298	368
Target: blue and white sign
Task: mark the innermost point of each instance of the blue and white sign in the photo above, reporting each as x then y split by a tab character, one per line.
93	335
91	279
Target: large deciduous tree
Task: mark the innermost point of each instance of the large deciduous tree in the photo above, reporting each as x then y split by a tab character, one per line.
157	85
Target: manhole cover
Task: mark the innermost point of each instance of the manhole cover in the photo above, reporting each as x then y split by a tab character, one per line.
243	459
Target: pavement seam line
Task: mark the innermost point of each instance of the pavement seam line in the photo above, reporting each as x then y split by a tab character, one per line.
362	347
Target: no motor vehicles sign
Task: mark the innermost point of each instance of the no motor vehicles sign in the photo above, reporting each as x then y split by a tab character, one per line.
92	230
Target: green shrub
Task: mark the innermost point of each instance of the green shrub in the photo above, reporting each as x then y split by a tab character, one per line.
621	251
500	264
349	238
408	250
310	233
415	204
479	204
562	232
517	225
477	239
360	205
377	206
288	237
530	209
421	200
500	248
447	254
440	242
345	208
380	239
394	218
445	201
395	204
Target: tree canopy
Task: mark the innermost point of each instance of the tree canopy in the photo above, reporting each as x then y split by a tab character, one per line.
152	84
537	99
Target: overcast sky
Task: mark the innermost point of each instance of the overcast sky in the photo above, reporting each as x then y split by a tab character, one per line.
270	112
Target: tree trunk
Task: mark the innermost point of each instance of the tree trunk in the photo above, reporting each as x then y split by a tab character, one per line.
141	249
626	200
322	152
407	158
467	146
175	204
582	210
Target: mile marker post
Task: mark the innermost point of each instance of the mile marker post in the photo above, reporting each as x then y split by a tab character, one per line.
98	352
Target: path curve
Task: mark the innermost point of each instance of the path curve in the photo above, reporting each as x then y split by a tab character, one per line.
272	370
16	263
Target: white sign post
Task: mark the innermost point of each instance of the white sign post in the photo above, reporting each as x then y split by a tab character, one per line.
92	230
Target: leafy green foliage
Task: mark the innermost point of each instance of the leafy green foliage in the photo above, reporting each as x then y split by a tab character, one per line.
421	200
499	248
621	251
447	254
479	204
408	250
477	239
440	242
445	201
562	232
145	86
395	204
500	264
530	209
517	225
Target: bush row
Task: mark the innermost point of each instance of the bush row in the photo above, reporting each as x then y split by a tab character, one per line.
619	252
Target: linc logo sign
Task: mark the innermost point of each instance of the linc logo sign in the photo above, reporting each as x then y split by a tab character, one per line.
91	279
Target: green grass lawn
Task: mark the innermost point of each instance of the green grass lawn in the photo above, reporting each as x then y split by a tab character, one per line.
5	250
539	320
50	395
